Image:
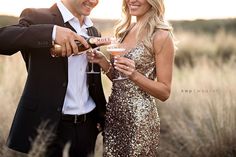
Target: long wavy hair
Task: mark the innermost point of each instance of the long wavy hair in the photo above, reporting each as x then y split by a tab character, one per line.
153	20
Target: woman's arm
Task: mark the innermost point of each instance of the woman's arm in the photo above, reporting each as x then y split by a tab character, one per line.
164	56
99	58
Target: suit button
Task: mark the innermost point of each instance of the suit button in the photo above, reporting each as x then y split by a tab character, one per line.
64	84
59	109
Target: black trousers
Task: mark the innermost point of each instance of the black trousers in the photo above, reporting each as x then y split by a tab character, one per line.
81	136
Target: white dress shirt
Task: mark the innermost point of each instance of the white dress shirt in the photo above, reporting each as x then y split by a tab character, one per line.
77	100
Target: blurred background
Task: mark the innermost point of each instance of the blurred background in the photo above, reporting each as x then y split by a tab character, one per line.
199	118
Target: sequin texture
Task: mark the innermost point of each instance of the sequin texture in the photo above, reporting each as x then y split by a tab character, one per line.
132	125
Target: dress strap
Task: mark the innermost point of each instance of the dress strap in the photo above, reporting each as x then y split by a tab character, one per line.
126	32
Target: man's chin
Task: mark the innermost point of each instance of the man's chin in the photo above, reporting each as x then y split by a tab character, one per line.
87	13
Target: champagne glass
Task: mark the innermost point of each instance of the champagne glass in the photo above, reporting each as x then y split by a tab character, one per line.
92	64
96	43
117	50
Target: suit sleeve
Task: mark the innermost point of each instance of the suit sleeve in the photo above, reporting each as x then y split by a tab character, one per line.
25	35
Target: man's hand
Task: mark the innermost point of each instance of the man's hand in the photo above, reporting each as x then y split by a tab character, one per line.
66	38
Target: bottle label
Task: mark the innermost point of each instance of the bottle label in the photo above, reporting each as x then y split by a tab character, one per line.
99	41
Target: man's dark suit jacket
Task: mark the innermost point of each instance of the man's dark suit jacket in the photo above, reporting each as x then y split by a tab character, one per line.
47	79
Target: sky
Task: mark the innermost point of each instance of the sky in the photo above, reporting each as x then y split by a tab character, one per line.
111	9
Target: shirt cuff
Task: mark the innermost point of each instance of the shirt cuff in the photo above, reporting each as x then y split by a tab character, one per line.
54	33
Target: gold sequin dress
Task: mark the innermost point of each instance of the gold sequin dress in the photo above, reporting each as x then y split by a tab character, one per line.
132	125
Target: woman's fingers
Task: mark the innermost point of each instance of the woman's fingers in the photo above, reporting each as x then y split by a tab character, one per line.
125	65
90	56
94	56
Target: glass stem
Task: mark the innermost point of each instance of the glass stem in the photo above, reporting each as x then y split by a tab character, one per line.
92	67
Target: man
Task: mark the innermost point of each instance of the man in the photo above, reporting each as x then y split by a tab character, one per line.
57	89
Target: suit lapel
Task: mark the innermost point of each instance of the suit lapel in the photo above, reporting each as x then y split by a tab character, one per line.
58	20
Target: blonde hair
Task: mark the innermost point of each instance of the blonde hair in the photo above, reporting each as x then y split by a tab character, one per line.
154	19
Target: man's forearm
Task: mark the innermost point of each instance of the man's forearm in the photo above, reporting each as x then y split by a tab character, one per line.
17	37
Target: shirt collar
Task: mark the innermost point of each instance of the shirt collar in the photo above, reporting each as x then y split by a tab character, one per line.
68	16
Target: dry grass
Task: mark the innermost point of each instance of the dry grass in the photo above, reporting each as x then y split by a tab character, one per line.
12	78
217	48
198	120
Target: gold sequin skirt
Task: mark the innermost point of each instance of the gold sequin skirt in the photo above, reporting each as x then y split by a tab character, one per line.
132	125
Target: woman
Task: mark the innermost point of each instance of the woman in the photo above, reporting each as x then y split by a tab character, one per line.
132	125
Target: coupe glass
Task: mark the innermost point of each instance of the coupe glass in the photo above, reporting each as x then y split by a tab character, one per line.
92	69
117	50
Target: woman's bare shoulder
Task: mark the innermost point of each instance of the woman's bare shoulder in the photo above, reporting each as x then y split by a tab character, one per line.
161	39
161	35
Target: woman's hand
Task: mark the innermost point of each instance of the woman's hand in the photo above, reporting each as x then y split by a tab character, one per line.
95	56
126	66
99	58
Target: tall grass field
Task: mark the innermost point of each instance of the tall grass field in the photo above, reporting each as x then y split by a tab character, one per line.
199	118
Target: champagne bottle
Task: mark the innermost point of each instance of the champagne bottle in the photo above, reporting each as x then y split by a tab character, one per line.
92	41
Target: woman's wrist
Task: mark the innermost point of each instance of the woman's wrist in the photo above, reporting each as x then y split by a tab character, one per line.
107	69
134	76
105	66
